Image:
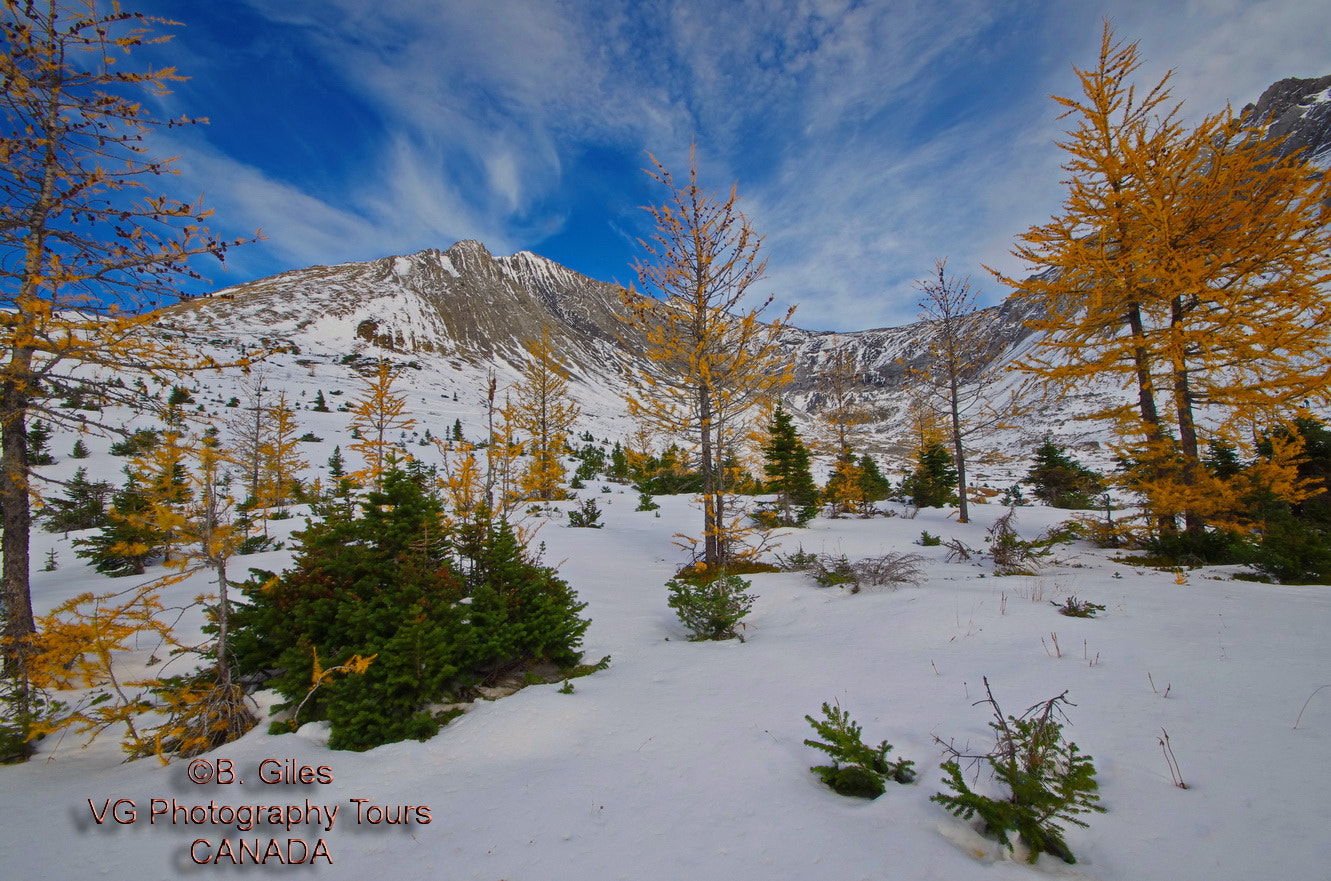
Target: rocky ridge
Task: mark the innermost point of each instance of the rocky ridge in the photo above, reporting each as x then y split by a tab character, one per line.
469	312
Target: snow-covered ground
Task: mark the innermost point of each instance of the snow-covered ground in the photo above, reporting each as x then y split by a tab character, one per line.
686	760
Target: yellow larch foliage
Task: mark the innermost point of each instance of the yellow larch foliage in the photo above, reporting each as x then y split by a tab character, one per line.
281	460
80	645
843	493
189	507
709	363
543	411
87	250
162	475
375	413
356	665
1190	262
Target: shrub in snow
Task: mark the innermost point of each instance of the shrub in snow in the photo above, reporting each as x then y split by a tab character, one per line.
891	569
856	769
1013	555
391	581
1047	780
1075	608
587	515
710	606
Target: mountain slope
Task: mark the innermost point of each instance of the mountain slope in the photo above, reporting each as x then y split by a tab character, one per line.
467	311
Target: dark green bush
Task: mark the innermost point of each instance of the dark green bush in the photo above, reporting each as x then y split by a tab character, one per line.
710	606
83	506
385	581
140	441
586	516
1206	547
856	769
1059	480
933	483
1047	779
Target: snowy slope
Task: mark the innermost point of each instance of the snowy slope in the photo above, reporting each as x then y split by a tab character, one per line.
686	760
461	313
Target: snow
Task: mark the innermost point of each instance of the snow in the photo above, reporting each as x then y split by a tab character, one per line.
686	760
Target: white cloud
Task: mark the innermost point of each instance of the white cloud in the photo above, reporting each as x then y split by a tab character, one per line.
816	108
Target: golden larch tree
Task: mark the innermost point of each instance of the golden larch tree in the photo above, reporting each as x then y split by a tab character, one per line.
542	409
841	420
710	362
282	459
1191	262
375	412
86	246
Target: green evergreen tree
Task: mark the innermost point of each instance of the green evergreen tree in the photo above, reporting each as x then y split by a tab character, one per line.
1048	780
377	582
522	613
857	769
787	468
337	466
126	542
874	486
1059	480
933	483
139	441
39	436
383	582
83	506
80	450
1222	459
320	405
1295	541
619	465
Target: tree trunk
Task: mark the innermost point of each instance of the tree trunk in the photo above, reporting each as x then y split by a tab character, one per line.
17	518
963	511
711	490
1150	414
1187	426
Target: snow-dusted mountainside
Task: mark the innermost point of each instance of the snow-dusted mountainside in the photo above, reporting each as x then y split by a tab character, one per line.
465	312
1300	111
463	305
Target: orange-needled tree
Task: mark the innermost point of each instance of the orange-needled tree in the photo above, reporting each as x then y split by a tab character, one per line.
544	412
712	360
376	411
1191	262
87	246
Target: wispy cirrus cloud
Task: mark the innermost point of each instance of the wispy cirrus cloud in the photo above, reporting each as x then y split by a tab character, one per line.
868	138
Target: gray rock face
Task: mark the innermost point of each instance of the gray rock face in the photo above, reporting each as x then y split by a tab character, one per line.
1299	109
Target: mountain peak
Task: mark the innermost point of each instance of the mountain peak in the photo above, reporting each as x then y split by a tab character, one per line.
1298	110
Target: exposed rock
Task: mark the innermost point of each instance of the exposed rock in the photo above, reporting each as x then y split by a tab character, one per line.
1299	109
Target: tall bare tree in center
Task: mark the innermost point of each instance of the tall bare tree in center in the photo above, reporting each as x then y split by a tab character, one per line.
954	376
711	363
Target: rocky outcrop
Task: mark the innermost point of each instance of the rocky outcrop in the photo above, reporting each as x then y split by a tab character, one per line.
1298	110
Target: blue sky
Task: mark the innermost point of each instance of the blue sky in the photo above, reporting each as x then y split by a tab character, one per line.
867	139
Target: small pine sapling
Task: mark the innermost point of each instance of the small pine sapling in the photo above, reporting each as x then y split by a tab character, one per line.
857	769
1075	608
1012	555
587	515
1047	779
711	607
